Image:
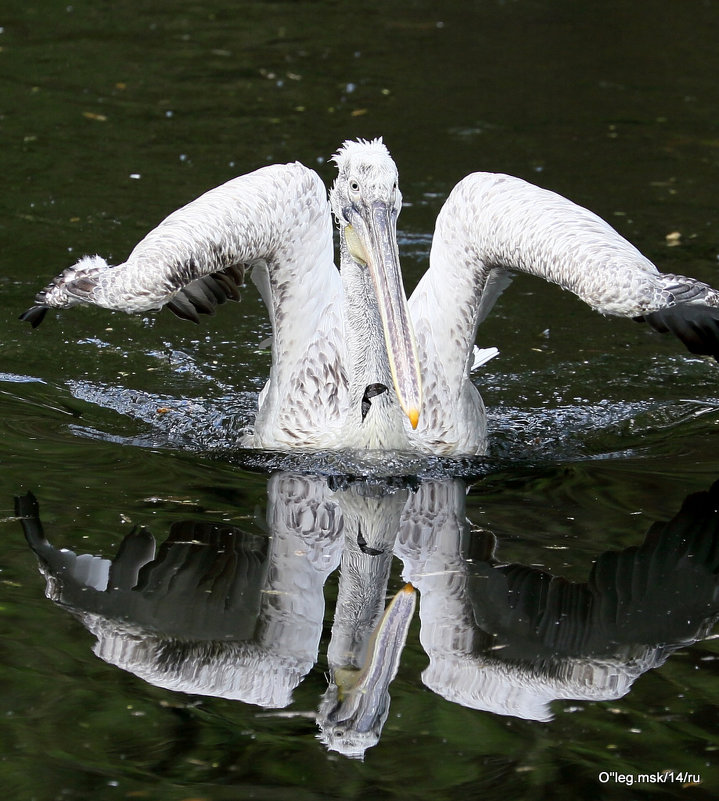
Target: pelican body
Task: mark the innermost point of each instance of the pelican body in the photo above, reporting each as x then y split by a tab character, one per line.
355	365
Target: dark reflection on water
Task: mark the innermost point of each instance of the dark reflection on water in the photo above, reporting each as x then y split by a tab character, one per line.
221	611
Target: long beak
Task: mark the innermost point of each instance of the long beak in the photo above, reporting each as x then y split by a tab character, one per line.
381	254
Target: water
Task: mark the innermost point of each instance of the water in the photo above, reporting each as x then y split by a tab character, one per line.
112	116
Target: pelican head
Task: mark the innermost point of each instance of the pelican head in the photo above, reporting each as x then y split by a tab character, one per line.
366	201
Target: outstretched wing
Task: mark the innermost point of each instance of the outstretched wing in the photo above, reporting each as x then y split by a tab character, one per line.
494	224
277	221
196	258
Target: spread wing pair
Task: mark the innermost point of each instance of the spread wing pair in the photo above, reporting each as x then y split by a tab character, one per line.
338	333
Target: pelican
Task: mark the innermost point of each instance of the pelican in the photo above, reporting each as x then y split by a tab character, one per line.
355	365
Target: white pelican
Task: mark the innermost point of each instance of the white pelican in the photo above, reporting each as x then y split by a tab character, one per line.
354	364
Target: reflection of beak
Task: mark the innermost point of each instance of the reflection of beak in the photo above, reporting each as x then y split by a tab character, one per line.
359	705
376	246
359	690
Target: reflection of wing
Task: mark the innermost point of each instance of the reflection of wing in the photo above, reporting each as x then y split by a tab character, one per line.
511	638
433	532
667	589
304	509
217	610
635	600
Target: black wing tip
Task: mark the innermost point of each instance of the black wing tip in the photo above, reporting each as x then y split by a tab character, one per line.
34	315
205	294
27	506
183	309
696	325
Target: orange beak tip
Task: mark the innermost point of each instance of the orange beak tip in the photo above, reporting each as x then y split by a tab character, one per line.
413	415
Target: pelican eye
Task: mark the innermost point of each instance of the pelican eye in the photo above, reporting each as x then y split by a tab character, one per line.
354	186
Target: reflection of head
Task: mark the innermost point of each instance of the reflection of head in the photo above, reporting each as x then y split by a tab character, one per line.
355	707
345	731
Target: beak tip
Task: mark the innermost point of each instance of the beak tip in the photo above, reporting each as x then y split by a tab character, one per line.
413	415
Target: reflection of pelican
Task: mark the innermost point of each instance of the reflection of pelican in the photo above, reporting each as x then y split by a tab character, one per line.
354	365
221	612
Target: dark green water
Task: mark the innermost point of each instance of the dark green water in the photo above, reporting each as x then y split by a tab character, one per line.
114	114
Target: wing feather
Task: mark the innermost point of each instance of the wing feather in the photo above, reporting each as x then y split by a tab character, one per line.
275	221
491	224
494	225
196	258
